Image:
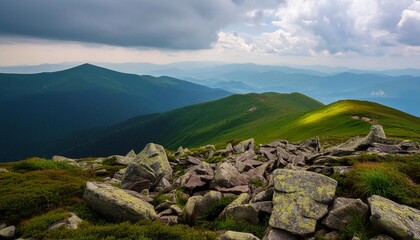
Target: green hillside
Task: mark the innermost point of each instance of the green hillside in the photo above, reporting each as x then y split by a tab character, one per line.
39	109
265	117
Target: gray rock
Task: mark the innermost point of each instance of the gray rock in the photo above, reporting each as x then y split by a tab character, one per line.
231	235
278	234
117	203
244	146
245	212
8	232
263	207
190	210
266	195
149	166
234	190
300	199
72	221
382	237
343	209
228	176
194	182
169	220
131	154
197	205
3	170
399	221
70	161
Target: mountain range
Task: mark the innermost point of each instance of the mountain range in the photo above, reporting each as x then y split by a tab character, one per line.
396	88
38	109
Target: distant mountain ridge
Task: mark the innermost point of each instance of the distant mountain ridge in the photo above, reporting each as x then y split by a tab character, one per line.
37	109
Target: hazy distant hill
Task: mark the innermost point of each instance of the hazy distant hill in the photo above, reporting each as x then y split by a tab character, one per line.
264	117
37	109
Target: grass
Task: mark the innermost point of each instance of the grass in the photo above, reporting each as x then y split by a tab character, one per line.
215	159
358	226
29	193
37	225
141	230
239	226
215	209
34	164
181	197
390	179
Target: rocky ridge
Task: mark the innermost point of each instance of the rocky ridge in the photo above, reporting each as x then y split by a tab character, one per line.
287	182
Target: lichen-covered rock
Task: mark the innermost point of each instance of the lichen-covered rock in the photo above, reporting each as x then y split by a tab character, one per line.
190	210
278	234
244	212
399	221
116	203
231	235
343	209
197	205
228	176
300	199
148	167
154	156
72	221
244	146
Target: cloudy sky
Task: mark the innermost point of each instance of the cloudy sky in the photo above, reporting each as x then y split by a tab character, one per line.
353	33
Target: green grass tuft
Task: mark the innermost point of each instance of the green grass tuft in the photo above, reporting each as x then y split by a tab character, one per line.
35	164
39	224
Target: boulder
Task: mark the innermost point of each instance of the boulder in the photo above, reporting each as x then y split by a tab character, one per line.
169	220
190	210
131	154
194	182
147	169
116	203
244	212
278	234
8	232
266	195
263	207
343	209
228	176
72	221
231	235
244	146
300	199
398	221
3	170
381	237
197	205
70	161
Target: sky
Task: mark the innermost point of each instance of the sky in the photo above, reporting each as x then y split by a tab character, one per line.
376	34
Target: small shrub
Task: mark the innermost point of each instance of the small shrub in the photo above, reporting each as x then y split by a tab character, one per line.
161	198
214	210
39	224
181	197
34	164
256	182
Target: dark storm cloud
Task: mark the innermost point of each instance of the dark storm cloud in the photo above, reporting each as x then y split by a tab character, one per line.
178	24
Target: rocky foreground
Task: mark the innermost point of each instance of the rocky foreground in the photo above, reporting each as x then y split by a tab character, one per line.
290	185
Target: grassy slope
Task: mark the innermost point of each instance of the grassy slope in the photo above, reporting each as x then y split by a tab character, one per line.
194	125
277	116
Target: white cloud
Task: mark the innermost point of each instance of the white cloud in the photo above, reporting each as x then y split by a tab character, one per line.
378	93
338	28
